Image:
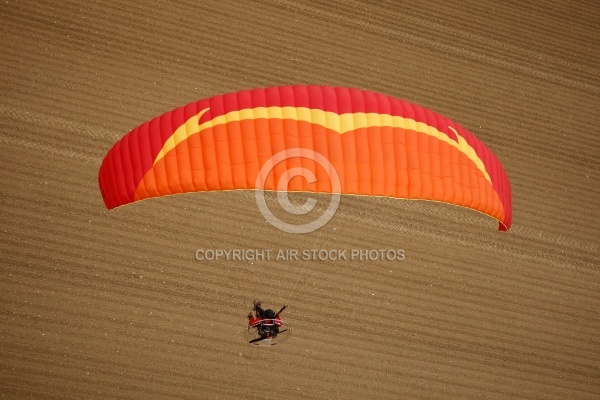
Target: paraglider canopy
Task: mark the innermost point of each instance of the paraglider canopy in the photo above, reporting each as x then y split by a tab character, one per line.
377	144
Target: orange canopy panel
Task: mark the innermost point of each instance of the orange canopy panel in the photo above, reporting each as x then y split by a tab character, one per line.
378	145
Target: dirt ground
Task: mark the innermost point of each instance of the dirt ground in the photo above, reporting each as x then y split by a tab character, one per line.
98	304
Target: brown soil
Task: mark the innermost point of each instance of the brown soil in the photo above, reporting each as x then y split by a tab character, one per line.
112	304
